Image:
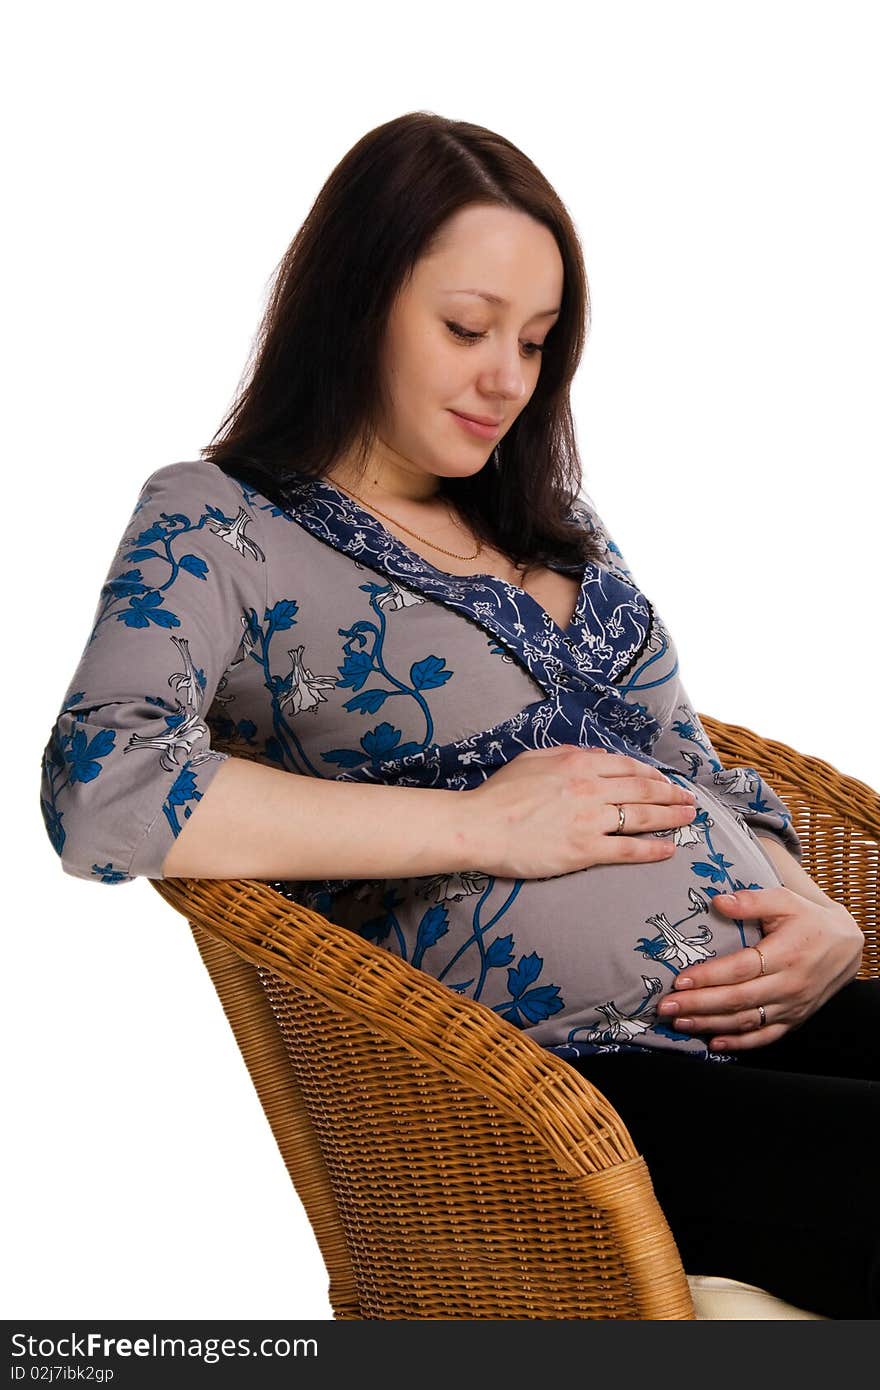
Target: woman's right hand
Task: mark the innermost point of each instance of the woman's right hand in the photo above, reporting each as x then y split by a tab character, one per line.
554	810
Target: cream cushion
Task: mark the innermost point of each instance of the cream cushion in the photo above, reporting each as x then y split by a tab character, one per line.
717	1299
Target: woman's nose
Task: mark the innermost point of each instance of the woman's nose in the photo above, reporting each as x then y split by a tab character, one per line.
506	375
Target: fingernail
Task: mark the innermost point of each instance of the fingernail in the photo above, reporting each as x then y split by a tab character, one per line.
683	1023
725	898
668	1006
718	1044
684	982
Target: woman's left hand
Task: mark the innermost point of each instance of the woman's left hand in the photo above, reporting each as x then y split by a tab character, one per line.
810	950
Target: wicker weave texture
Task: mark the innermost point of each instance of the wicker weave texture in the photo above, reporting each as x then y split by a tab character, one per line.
836	816
450	1167
412	1091
245	1003
459	1211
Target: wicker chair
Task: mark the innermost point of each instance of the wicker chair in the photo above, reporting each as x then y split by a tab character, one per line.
449	1166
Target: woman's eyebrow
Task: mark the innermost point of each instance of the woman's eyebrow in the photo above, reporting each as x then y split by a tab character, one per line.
496	299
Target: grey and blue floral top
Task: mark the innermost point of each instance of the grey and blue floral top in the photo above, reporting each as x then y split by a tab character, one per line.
312	639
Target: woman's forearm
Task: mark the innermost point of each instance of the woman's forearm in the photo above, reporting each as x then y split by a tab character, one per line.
256	821
793	875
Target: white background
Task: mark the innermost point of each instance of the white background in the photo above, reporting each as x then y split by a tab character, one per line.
719	162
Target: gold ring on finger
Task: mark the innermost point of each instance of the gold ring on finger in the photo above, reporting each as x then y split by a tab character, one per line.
621	820
761	959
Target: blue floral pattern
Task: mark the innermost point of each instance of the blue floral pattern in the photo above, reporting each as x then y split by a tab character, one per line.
311	639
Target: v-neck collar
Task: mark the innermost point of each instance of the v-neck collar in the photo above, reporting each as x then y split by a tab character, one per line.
608	629
445	577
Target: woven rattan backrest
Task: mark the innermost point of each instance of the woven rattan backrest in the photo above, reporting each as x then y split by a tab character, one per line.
836	816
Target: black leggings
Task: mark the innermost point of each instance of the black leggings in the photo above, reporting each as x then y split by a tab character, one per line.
767	1167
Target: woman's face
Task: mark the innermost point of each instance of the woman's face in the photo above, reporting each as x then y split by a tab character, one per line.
432	371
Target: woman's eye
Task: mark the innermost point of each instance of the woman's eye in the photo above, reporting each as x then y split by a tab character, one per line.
466	334
469	336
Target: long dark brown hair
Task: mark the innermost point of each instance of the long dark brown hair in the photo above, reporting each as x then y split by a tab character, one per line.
313	390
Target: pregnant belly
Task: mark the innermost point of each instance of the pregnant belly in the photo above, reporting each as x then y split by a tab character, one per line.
584	958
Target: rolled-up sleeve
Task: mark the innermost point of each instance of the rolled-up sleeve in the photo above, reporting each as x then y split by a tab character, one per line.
129	755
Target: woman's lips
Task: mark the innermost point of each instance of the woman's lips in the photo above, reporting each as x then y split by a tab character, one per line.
481	431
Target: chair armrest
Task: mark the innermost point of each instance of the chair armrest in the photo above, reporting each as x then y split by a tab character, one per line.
461	1036
458	1149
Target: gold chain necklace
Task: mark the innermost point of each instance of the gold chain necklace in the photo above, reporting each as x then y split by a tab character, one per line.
415	533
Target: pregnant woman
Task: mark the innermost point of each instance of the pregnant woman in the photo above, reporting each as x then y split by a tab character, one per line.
376	648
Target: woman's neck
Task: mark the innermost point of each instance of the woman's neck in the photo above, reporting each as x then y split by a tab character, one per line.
388	478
